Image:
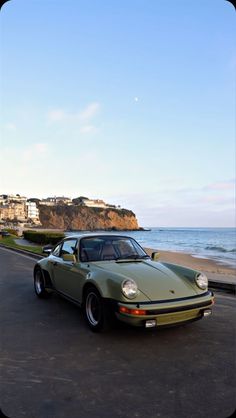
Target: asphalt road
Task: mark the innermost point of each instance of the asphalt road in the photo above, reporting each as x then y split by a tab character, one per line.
53	366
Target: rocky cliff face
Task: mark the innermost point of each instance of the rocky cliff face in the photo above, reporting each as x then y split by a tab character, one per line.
86	218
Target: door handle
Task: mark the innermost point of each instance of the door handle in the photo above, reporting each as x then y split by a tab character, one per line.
55	263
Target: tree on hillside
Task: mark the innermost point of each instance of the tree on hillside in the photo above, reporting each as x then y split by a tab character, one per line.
79	200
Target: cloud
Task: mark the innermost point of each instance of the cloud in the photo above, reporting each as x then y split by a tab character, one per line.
57	115
221	185
79	120
89	112
218	199
87	129
35	151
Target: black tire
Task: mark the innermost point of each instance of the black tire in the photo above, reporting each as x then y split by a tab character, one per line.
39	285
95	311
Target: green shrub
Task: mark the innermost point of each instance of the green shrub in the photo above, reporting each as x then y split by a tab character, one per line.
43	238
11	231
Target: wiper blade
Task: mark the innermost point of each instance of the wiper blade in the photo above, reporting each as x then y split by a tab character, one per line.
132	257
138	257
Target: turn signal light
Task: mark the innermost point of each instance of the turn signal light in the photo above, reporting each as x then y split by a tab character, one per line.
123	309
137	311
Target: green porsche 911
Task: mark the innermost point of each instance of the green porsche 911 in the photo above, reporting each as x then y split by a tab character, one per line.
111	276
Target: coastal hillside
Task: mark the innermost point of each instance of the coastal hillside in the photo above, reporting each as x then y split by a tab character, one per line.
86	218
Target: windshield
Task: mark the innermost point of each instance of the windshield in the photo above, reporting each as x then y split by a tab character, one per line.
110	248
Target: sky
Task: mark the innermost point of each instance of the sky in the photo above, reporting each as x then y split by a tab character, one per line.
129	101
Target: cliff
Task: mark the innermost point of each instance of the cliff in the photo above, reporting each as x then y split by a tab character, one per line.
86	218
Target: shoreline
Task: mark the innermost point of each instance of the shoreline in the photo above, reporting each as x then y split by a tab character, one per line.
212	268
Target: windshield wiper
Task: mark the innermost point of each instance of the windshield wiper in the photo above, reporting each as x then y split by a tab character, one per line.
133	257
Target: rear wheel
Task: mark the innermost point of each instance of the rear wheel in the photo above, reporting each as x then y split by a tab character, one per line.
96	313
39	285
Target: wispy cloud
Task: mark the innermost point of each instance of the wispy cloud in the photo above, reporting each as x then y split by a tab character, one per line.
57	115
82	120
87	129
89	112
221	185
35	151
218	199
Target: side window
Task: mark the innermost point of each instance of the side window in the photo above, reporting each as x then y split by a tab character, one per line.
56	251
69	247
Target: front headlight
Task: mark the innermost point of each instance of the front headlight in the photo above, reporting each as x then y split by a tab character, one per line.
202	281
129	288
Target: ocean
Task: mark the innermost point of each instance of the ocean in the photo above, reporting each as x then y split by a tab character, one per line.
218	244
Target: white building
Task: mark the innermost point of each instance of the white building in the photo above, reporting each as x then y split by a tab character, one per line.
63	199
49	201
16	198
13	211
94	203
57	200
32	211
12	198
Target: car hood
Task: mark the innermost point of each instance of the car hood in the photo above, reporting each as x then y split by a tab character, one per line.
154	279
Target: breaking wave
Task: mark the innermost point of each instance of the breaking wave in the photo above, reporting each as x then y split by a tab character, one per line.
220	249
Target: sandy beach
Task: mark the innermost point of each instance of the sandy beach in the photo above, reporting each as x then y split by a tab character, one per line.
214	270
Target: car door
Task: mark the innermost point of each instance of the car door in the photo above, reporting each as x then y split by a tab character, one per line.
66	275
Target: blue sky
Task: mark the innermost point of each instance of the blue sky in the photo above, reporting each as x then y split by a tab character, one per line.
131	101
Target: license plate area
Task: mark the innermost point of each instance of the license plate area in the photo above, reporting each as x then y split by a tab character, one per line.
171	318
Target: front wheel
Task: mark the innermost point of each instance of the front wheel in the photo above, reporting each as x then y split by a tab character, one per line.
39	285
95	312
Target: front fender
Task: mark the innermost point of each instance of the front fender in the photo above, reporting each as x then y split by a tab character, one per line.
109	286
186	274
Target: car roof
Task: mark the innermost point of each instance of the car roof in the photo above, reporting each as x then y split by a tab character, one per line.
95	235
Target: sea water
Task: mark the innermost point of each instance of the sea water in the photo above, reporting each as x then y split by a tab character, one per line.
213	243
218	244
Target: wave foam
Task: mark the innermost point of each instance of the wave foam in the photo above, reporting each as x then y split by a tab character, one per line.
220	249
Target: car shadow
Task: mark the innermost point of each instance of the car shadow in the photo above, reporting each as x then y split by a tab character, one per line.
67	312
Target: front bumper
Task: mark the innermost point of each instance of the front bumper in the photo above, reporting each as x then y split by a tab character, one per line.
160	313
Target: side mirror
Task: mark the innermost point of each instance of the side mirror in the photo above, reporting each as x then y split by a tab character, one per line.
69	257
47	249
155	256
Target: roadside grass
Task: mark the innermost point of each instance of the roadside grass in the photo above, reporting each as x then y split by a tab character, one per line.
10	242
